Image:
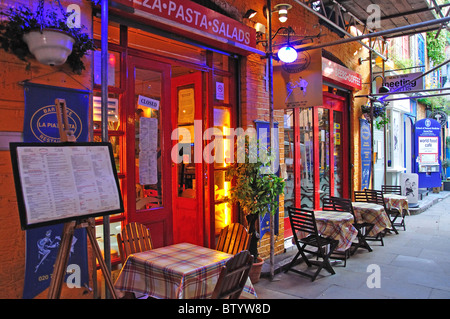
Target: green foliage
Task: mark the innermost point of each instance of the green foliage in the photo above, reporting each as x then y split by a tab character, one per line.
379	113
436	47
254	190
22	20
436	103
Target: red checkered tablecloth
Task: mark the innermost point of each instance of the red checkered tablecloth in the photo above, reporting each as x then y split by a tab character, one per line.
371	213
336	225
181	271
396	201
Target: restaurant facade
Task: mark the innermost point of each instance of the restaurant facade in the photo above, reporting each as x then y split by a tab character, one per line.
182	74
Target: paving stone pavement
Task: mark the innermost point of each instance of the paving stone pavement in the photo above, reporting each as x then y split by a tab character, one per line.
415	264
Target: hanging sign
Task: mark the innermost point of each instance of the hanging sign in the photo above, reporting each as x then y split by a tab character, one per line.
298	84
340	74
403	82
366	153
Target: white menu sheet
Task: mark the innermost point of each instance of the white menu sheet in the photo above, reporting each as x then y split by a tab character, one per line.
65	182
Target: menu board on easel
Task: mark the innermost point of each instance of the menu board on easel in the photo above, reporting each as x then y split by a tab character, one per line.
59	182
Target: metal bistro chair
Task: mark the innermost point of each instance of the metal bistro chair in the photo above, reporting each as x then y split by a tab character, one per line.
395	213
377	197
363	228
233	238
134	238
233	276
303	221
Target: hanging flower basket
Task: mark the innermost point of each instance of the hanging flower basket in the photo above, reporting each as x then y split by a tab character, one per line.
379	113
49	46
58	43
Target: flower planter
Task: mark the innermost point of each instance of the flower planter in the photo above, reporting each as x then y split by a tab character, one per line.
255	271
50	47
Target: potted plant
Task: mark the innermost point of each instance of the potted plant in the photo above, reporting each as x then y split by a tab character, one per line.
256	189
379	113
26	33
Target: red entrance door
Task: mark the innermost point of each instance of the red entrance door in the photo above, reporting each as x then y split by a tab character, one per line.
148	145
187	159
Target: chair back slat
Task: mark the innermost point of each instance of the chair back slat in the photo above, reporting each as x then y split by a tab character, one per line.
360	196
391	189
233	276
302	220
134	238
233	238
337	204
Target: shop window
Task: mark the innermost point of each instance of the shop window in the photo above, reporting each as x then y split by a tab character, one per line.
113	68
289	154
113	31
306	157
222	124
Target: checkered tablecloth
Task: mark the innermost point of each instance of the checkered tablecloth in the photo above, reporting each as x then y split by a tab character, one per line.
181	271
336	225
371	213
396	201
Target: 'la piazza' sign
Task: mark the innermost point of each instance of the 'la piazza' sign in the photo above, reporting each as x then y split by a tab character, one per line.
190	14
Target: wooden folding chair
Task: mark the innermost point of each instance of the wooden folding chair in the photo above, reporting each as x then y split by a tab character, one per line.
397	190
233	276
377	197
332	203
360	196
233	238
392	189
303	222
363	228
134	238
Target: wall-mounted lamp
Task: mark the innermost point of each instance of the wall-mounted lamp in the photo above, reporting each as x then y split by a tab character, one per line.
282	9
249	14
287	53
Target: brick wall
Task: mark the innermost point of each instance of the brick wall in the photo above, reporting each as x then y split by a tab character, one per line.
12	72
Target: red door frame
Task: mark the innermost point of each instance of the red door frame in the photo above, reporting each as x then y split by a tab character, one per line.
158	220
329	104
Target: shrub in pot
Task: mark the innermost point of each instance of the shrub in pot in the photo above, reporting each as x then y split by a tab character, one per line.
256	187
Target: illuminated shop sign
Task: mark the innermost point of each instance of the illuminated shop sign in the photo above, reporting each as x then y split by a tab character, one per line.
183	13
341	74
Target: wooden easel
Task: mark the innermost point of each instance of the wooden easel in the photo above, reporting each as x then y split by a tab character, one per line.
62	258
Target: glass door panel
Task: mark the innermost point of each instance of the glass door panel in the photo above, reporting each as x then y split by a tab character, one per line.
338	154
306	157
289	159
324	153
148	139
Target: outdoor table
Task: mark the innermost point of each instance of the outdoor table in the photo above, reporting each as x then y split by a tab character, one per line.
396	201
180	271
372	213
336	225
